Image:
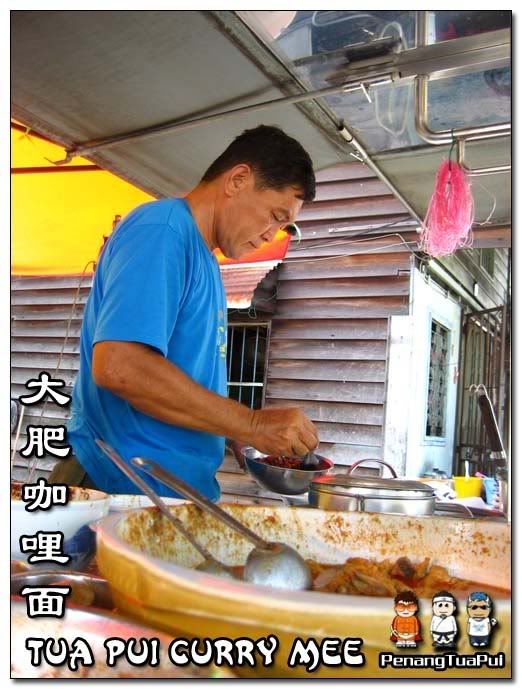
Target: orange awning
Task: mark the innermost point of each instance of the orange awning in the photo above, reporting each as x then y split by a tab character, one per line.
273	251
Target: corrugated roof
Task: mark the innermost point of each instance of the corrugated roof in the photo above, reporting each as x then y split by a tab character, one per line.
241	281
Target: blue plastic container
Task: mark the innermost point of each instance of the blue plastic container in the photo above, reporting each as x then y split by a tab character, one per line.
491	488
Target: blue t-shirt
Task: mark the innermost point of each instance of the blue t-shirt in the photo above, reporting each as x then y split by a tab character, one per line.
158	284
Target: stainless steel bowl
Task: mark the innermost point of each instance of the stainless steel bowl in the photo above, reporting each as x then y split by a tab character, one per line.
279	480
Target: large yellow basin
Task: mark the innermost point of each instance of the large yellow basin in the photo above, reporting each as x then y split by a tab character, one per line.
150	569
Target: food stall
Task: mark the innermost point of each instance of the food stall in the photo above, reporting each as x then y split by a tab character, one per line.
366	322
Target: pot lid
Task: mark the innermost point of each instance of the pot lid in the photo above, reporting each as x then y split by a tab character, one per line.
352	485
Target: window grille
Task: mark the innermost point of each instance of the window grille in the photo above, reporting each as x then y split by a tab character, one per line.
246	354
437	381
484	358
487	260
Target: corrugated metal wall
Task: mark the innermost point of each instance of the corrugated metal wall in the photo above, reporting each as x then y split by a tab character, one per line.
329	339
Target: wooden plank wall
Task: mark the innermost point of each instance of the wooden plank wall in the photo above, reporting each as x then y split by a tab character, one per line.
465	266
41	315
329	339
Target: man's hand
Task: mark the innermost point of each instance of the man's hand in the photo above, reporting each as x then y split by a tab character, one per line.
283	431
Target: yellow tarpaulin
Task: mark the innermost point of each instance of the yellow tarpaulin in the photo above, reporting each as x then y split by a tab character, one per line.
59	218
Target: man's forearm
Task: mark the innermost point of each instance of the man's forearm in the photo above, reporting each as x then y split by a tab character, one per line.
158	388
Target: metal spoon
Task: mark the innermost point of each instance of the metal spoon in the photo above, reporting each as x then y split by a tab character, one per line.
311	460
269	563
209	564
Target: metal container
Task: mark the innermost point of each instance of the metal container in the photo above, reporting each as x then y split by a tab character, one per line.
280	480
151	570
372	494
85	589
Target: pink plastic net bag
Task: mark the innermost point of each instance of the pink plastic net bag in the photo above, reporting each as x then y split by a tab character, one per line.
447	226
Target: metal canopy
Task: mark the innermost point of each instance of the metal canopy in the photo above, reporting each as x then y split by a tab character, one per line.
435	87
82	75
116	73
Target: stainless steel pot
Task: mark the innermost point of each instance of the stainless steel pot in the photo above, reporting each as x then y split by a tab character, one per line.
350	493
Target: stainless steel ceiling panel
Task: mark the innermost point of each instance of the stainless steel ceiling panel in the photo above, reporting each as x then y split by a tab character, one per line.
81	75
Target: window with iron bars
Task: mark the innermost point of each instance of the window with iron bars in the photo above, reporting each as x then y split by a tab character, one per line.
438	381
246	355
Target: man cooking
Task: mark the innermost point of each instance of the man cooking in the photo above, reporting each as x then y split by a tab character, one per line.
152	379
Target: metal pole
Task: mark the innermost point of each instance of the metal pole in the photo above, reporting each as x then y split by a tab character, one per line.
230	346
241	371
421	28
461	391
255	365
502	373
177	125
350	138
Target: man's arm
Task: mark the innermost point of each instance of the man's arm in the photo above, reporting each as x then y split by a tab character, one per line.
158	388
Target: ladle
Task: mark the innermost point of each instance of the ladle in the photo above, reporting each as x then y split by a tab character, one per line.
209	564
269	563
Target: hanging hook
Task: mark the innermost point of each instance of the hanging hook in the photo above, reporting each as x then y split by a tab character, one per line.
453	142
475	389
69	155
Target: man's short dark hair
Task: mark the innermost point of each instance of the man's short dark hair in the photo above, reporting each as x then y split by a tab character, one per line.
406	597
278	160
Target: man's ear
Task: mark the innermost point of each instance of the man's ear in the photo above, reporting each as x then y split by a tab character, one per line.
237	178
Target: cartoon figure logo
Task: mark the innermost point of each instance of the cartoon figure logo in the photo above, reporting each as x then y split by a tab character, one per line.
443	626
480	624
405	628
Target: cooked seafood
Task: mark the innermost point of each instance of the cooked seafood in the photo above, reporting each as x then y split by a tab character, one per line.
360	576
